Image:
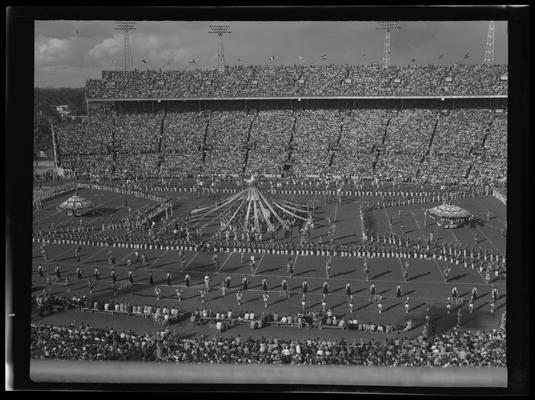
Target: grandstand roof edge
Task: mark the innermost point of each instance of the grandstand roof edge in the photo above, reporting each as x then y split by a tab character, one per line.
296	98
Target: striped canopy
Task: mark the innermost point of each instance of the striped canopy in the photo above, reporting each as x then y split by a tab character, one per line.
76	203
256	206
448	211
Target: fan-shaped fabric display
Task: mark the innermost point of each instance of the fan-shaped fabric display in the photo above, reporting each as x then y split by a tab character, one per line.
76	205
449	215
449	211
251	207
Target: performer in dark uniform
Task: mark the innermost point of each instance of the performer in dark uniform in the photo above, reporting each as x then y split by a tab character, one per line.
372	292
244	283
284	290
304	285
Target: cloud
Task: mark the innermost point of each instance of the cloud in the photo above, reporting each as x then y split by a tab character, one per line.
106	50
51	50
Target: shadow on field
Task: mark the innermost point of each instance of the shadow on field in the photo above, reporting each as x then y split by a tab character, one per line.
232	269
383	274
253	299
364	306
304	272
417	307
100	211
392	306
342	273
62	259
272	269
337	305
278	301
457	277
418	276
343	237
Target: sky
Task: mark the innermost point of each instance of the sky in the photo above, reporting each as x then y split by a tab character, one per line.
69	52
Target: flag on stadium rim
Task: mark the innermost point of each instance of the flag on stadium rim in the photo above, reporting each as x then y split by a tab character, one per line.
467	55
271	58
239	59
192	61
324	57
144	61
441	56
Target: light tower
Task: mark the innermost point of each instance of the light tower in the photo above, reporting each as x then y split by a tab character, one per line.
489	50
220	30
387	26
126	27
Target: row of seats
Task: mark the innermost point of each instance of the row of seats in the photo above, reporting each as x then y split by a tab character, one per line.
304	80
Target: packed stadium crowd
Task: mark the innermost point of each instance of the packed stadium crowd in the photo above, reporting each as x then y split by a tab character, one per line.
304	80
453	349
408	145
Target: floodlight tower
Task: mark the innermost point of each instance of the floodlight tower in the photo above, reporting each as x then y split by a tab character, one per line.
387	26
220	30
126	27
489	50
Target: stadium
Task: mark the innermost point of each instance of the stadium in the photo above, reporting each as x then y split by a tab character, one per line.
300	206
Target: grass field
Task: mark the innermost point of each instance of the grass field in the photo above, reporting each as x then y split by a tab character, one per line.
425	286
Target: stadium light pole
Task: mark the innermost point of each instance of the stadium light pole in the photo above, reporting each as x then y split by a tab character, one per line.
220	30
387	27
126	27
489	49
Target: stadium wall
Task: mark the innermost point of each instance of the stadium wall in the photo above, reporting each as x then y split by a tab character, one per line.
247	104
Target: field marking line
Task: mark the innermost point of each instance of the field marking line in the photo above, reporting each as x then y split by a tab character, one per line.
190	261
259	262
401	267
154	262
415	220
63	252
295	262
439	270
98	252
388	220
454	236
125	257
224	262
